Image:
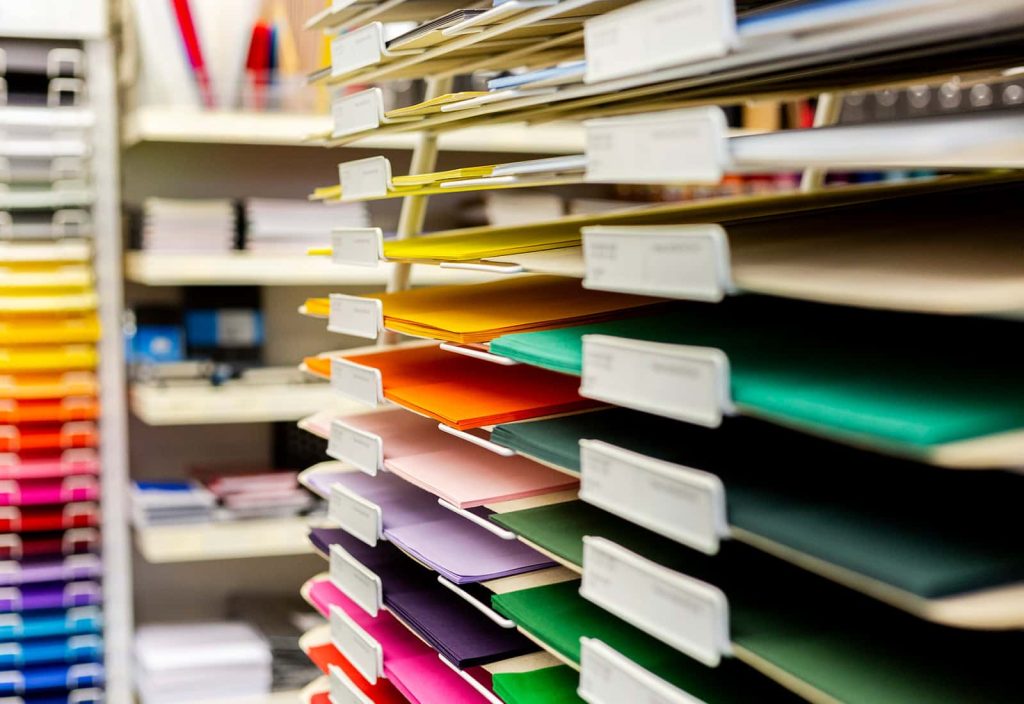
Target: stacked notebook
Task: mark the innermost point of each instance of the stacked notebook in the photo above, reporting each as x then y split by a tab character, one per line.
196	661
157	503
244	492
279	226
197	225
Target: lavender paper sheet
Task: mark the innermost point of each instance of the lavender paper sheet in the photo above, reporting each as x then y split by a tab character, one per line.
60	570
446	542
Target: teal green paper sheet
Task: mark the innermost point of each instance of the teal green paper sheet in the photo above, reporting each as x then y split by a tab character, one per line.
847	646
549	685
930	532
906	382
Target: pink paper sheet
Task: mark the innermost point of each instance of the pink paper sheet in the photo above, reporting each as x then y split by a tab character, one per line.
411	665
36	492
456	470
73	462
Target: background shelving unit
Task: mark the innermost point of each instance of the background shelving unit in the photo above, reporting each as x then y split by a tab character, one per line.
247	269
227	540
156	124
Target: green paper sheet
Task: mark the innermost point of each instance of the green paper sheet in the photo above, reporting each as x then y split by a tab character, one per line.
930	532
549	685
907	382
559	616
855	650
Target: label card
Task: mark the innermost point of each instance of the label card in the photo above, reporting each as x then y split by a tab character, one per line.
357	582
655	34
609	677
678	261
357	382
341	688
357	447
675	146
358	112
357	246
358	647
357	516
357	49
356	315
675	381
690	615
680	503
365	178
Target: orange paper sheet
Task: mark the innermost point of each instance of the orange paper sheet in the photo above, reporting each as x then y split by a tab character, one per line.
44	386
468	393
48	410
18	438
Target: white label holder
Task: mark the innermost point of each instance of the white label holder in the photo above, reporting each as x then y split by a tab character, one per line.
365	178
357	582
674	146
357	246
675	381
357	382
655	34
683	504
690	262
609	677
355	315
690	615
360	518
358	646
358	112
357	49
357	447
342	690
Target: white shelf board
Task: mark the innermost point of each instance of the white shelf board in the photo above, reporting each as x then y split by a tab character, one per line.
224	540
233	402
151	124
246	269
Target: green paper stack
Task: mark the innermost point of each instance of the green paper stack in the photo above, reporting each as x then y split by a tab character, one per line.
558	616
901	383
830	640
549	685
927	532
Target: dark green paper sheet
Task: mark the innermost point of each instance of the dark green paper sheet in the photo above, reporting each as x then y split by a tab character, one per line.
930	532
559	616
901	381
855	649
549	685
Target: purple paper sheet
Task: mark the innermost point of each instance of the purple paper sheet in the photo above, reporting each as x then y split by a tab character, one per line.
446	542
455	628
62	570
58	595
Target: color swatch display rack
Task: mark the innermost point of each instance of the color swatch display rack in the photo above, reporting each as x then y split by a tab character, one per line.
65	601
746	448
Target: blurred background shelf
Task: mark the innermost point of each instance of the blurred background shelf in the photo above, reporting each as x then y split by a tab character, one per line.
232	402
224	540
246	269
155	124
284	697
